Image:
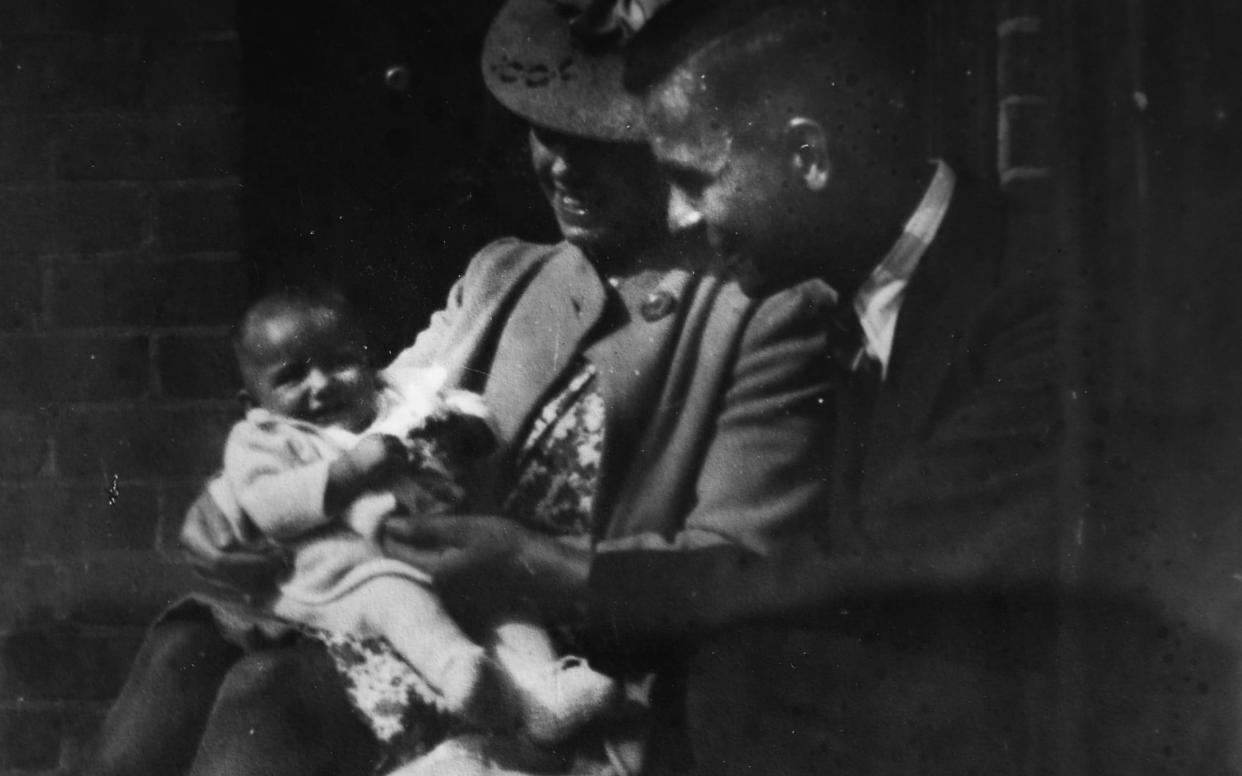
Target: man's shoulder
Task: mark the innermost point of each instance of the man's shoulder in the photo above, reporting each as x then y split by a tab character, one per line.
789	324
798	309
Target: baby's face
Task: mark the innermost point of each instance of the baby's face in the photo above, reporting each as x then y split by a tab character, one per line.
310	365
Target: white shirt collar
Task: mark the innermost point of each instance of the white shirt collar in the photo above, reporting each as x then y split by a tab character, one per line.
878	301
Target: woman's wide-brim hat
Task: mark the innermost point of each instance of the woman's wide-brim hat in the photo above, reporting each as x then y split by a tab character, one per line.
559	64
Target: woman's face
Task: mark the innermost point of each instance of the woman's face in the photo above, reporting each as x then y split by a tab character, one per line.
606	196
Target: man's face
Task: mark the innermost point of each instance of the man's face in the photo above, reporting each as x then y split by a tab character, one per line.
745	198
309	365
605	196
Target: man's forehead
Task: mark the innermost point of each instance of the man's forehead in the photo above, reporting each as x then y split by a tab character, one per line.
682	124
704	153
677	98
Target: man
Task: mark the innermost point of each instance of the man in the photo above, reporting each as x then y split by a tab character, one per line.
792	138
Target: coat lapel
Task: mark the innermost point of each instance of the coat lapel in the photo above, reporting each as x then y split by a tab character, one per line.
957	271
631	361
544	331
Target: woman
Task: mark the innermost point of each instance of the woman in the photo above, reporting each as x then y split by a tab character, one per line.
642	402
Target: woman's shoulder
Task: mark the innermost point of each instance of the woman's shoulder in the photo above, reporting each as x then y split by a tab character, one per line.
502	261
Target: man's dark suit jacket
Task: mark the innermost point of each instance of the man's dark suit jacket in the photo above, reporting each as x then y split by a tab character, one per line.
913	637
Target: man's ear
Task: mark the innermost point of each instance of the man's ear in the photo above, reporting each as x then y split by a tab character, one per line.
807	147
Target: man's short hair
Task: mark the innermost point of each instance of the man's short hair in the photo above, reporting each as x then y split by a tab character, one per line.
856	66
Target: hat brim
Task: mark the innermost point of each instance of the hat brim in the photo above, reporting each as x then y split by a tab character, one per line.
536	67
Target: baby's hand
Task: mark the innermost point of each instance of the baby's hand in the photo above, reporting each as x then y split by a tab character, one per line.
372	461
378	456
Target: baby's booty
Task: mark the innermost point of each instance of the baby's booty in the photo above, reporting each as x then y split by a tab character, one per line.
557	698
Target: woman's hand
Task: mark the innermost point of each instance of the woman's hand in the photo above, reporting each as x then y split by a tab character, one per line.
477	560
216	553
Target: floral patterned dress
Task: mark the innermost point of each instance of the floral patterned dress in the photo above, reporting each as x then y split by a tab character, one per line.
558	469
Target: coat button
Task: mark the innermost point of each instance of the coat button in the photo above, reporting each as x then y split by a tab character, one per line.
657	305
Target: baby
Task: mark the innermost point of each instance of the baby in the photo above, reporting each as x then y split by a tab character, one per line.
313	467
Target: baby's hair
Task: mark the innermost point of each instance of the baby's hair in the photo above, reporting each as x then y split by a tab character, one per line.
325	298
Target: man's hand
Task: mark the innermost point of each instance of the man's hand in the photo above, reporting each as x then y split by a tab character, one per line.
476	561
480	563
217	554
458	549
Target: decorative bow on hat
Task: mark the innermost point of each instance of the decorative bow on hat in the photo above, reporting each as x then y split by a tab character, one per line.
559	64
606	22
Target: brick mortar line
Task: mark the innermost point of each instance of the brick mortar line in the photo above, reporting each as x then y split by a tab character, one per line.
76	572
209	34
82	629
136	256
155	381
106	556
191	110
47	290
34	186
1025	173
1023	99
1020	25
113	332
161	484
87	631
50	705
129	405
42	35
206	182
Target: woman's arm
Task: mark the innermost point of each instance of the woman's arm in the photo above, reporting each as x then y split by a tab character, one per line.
761	479
216	552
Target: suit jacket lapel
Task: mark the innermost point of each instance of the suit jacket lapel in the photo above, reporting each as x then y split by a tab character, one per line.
956	272
543	333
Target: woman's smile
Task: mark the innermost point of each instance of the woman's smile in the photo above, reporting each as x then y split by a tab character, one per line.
574	205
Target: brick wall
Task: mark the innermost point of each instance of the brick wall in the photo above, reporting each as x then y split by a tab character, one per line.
1026	130
119	235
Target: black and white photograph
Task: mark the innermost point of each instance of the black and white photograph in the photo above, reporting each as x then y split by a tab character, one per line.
739	387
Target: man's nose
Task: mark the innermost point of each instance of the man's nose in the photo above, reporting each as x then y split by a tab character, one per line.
682	214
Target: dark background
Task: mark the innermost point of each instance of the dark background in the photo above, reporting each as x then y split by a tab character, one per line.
383	181
161	163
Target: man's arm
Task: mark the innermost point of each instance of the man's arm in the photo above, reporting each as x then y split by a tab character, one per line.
971	508
762	471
